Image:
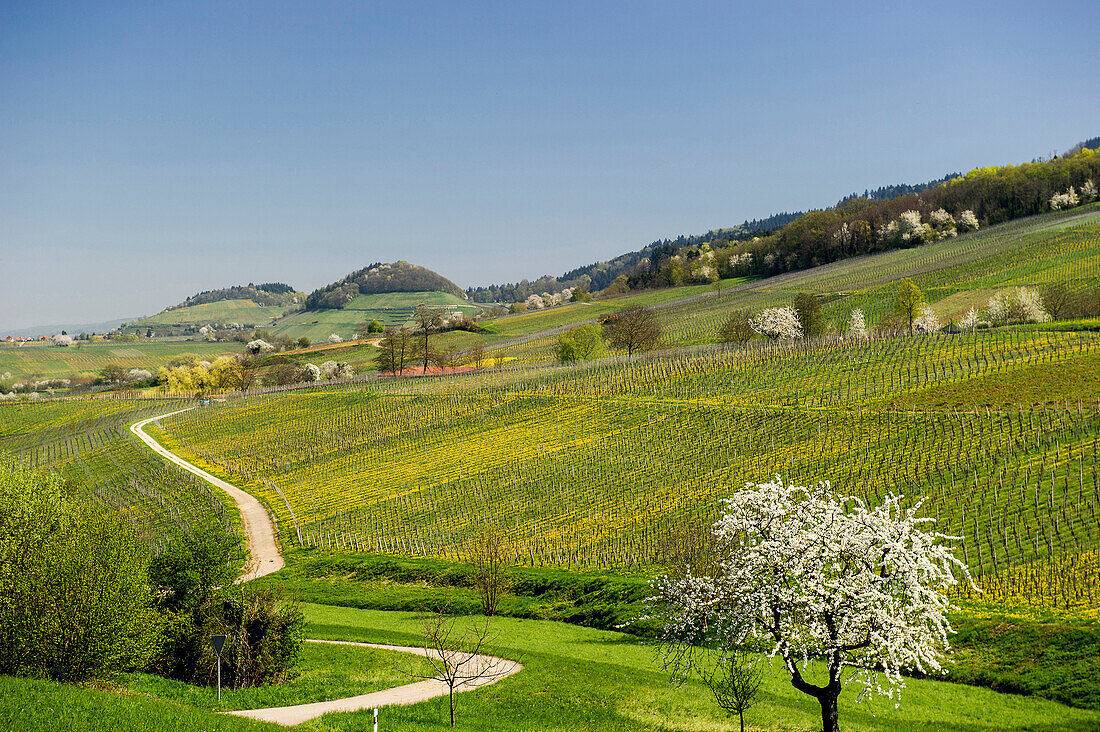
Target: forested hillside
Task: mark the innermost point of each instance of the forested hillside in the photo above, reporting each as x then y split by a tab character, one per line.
380	278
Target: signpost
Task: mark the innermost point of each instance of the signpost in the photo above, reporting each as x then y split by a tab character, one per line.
218	641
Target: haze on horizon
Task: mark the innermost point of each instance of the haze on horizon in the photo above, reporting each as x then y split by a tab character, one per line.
150	152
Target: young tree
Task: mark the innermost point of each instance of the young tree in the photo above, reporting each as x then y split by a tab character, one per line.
857	325
909	302
737	328
819	577
808	308
488	554
1055	299
734	681
455	657
632	329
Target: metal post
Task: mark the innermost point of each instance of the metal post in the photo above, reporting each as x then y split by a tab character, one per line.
376	719
219	677
217	641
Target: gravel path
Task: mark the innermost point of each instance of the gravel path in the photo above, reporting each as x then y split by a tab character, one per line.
263	550
408	694
266	558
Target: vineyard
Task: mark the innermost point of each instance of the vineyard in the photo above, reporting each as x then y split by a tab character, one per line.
955	274
622	462
49	361
89	443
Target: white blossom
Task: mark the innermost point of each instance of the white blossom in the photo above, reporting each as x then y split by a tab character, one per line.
1088	191
777	323
926	322
62	340
311	372
857	326
1029	305
970	321
259	345
334	338
1069	199
534	302
140	374
329	369
742	262
818	577
967	221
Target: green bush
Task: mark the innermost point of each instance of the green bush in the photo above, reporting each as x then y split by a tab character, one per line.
74	603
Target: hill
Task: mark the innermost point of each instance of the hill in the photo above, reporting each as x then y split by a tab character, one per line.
246	306
380	278
388	308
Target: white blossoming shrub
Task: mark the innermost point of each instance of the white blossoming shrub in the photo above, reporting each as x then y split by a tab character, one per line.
311	372
334	338
777	323
857	326
818	577
926	322
741	263
1022	305
1088	191
62	340
1068	199
535	302
970	321
140	374
943	223
967	221
259	346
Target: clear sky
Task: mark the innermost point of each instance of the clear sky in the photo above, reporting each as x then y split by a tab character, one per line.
152	150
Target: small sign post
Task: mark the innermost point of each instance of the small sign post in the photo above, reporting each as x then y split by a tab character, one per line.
218	641
376	719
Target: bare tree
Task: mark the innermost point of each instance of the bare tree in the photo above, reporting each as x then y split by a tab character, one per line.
735	681
428	322
455	657
476	356
488	554
632	329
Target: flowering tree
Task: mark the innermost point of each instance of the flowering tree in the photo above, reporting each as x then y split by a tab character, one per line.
259	345
1069	199
777	323
967	221
818	578
857	325
970	321
63	340
926	322
335	338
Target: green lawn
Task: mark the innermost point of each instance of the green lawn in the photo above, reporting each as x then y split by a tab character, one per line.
325	672
583	679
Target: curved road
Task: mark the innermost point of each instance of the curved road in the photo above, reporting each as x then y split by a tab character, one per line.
494	668
263	550
265	558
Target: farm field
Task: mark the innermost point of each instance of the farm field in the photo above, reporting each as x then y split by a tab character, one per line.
388	308
89	443
36	362
223	311
614	463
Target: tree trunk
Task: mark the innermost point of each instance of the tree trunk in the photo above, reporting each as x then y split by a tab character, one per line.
452	689
830	719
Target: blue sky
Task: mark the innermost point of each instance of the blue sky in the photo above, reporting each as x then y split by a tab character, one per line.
152	150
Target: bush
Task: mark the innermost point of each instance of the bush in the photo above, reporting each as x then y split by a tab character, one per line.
194	581
74	604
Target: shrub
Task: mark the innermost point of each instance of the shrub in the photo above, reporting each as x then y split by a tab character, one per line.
74	604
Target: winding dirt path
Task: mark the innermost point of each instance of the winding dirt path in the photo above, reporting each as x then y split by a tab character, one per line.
265	558
408	694
263	550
